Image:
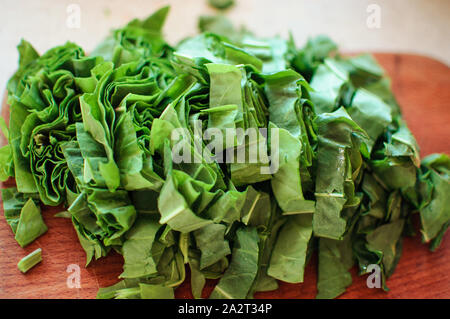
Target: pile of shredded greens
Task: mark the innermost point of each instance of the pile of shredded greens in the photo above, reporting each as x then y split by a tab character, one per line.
92	133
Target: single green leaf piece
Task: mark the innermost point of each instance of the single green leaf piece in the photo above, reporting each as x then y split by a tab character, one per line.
30	225
30	260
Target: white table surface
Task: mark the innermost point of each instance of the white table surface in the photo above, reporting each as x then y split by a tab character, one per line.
411	26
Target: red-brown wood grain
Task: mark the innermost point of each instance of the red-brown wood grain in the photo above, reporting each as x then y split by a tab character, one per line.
422	87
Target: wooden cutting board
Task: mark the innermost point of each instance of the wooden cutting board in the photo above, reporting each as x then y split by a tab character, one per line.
422	86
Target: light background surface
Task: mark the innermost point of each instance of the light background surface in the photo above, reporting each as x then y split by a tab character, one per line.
406	26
